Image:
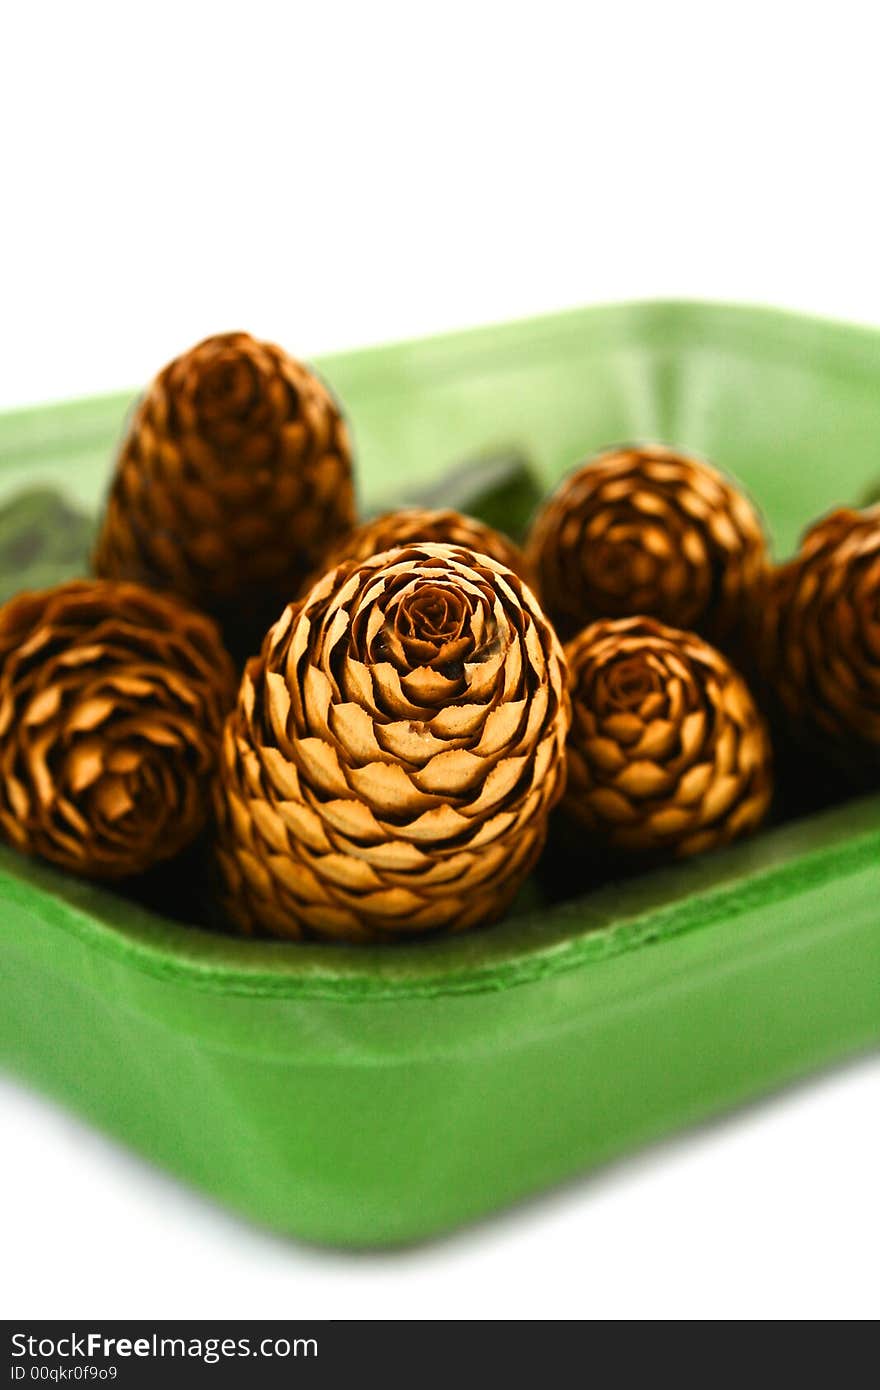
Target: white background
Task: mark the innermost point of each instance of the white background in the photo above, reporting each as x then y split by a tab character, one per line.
330	175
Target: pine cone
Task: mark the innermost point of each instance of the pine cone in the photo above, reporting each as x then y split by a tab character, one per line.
112	701
646	531
411	525
394	753
667	750
820	640
234	479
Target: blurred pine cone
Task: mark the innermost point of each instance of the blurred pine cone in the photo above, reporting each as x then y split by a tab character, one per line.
394	752
647	531
233	480
112	701
667	751
820	641
410	525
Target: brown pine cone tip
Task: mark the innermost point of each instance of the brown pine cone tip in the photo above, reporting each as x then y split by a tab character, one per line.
394	753
667	750
234	478
820	638
112	700
412	525
645	530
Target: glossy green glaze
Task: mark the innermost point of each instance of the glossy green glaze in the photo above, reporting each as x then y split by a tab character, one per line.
377	1095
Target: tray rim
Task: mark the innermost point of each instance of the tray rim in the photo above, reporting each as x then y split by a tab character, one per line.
442	966
663	316
503	955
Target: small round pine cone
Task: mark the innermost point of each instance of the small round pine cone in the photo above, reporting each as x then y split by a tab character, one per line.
233	480
646	531
394	753
411	525
820	640
112	700
667	751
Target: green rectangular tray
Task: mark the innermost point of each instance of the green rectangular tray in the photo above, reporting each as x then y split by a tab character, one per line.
367	1096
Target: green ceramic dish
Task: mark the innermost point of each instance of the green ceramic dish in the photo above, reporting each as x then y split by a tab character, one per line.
370	1096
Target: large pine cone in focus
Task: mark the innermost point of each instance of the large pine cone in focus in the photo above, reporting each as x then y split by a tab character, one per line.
647	531
234	479
112	700
412	525
394	752
820	641
667	751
